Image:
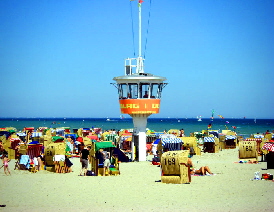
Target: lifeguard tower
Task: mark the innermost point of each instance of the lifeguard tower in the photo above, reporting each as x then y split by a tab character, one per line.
139	96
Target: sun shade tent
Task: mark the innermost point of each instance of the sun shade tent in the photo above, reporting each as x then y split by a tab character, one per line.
121	156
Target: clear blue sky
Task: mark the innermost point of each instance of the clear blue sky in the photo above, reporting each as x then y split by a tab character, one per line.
58	57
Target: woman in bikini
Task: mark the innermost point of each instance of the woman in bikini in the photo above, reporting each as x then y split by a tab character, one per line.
201	171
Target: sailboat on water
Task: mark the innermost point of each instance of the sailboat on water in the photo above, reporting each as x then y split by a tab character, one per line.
199	118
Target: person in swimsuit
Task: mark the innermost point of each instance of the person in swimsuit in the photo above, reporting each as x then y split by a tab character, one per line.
6	161
201	171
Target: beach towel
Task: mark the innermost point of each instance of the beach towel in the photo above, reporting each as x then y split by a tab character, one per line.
203	175
34	142
269	146
69	147
35	161
25	160
59	157
247	162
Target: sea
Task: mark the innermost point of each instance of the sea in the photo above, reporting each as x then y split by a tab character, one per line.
243	127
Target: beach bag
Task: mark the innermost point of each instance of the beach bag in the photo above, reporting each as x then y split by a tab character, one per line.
90	173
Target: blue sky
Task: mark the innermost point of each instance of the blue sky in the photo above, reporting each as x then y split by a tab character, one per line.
58	57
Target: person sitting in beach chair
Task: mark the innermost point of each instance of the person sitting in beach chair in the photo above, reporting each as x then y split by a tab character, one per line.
201	171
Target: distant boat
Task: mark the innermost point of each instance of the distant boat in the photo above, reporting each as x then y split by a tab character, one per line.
108	120
199	118
255	120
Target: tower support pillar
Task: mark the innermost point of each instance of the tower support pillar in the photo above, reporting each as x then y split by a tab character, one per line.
140	124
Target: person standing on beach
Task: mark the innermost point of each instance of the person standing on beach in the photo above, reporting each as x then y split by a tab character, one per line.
6	161
84	159
182	133
106	162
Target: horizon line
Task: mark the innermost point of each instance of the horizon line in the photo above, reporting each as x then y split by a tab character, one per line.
125	118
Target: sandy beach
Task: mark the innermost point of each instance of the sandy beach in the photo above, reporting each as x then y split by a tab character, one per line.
137	189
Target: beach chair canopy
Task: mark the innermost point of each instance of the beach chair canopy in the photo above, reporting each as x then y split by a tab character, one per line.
258	136
57	139
216	134
172	144
36	134
7	134
209	139
21	134
102	145
230	137
168	136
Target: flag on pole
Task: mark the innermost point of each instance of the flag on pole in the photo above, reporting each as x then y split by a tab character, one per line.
140	2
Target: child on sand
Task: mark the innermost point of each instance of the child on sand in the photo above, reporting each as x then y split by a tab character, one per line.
6	161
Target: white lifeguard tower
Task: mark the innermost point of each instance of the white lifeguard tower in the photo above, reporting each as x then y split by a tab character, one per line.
139	96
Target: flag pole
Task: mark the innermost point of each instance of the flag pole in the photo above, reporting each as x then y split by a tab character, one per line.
140	30
140	65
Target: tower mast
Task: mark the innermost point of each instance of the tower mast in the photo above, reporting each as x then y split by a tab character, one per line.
140	63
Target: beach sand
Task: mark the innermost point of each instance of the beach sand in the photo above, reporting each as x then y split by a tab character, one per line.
137	189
